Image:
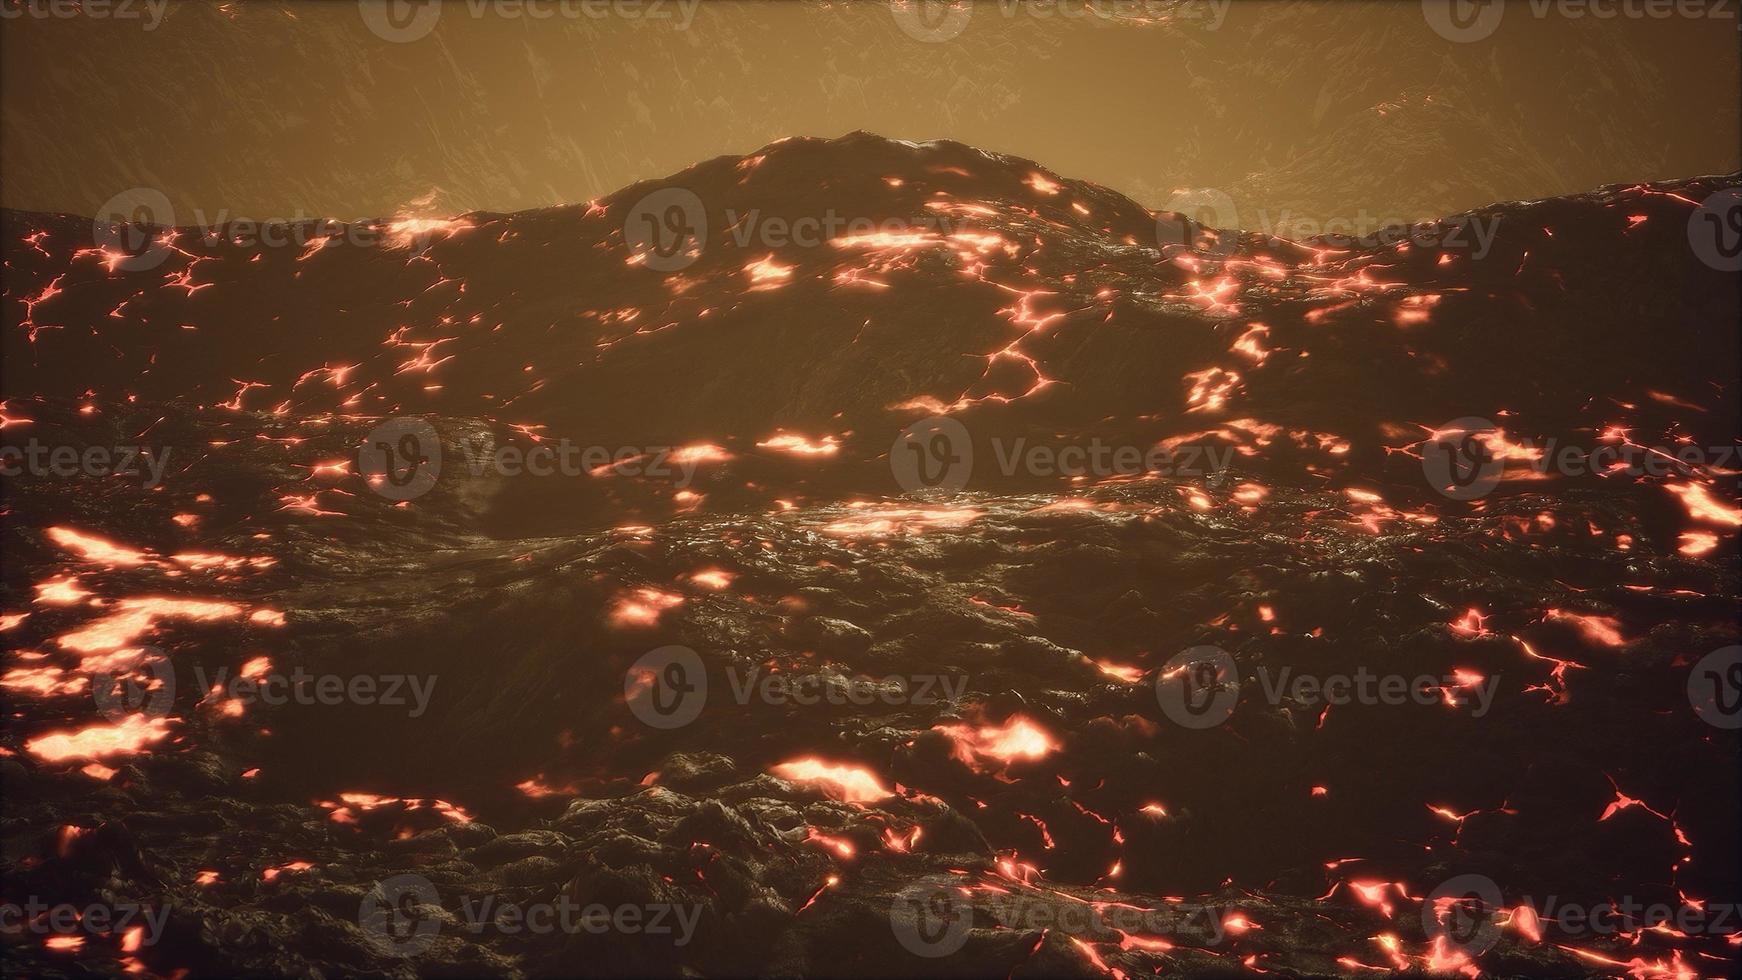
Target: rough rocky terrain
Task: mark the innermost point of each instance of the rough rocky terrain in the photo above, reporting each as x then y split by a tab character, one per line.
1029	765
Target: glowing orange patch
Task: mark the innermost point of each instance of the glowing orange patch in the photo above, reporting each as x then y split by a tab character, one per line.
847	783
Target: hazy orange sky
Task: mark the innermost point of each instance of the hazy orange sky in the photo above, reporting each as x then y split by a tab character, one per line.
280	110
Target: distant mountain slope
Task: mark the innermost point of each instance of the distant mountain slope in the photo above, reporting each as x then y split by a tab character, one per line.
936	278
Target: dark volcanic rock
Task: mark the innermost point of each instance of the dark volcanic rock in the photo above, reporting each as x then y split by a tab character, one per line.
565	703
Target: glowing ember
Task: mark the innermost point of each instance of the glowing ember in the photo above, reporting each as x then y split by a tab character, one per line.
847	783
44	681
1697	543
1702	506
128	736
536	788
271	874
352	805
1123	672
1603	630
1211	389
794	445
842	847
406	232
642	607
899	520
1471	624
712	578
1041	183
700	453
95	549
62	591
989	748
133	618
767	273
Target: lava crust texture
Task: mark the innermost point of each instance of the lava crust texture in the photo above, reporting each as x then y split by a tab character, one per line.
866	648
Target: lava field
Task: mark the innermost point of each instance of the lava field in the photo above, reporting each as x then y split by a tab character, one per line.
1001	580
